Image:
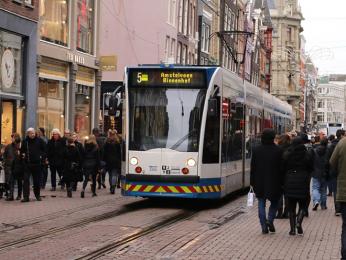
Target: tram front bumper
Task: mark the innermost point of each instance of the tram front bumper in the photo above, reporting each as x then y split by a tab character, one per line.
209	188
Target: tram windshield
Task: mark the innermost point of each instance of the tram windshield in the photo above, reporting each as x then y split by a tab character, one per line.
165	118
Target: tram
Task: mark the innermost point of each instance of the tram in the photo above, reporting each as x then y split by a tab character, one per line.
189	131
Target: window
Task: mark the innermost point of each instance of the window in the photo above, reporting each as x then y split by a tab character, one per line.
212	132
172	54
172	7
54	23
226	17
185	19
289	34
167	48
28	2
83	110
320	117
85	26
183	55
320	104
51	104
179	53
181	2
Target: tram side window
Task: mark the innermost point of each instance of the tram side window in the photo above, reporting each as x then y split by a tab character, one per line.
212	132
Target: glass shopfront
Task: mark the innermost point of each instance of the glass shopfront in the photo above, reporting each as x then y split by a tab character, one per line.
54	21
83	110
51	104
85	26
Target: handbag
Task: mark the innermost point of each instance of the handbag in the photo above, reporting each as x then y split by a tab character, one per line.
250	197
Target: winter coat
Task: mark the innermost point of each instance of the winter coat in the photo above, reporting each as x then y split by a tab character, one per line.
338	163
332	172
72	164
33	150
266	176
112	154
320	163
56	151
91	159
297	165
9	156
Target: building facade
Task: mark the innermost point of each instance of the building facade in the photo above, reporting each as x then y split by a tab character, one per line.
330	103
18	54
286	18
69	77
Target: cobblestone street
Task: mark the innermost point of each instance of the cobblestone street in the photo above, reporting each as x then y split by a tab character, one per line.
136	228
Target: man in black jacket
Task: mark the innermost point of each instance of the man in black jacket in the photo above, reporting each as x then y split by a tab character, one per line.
266	177
33	152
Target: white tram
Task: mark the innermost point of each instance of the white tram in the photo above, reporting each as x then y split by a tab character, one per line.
189	131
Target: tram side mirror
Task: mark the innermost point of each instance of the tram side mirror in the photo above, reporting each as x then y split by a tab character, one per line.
212	107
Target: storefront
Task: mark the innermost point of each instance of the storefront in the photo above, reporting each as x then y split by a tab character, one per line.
11	78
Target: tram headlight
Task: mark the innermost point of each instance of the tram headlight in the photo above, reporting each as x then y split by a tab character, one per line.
133	161
191	162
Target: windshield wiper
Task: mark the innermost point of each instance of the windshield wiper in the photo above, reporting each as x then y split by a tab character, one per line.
180	141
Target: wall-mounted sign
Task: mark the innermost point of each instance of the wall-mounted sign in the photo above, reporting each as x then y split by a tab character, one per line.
108	63
75	58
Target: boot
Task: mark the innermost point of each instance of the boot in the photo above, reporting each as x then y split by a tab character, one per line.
82	194
300	218
112	189
292	224
69	192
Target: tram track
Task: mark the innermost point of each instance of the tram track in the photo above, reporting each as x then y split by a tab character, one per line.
35	238
180	216
48	217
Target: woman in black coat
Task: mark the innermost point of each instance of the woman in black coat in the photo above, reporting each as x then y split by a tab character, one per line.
112	157
298	165
72	167
266	178
91	163
55	153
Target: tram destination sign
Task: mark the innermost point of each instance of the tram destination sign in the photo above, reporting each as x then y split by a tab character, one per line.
180	78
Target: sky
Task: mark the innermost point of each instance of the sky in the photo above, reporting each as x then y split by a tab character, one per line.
325	34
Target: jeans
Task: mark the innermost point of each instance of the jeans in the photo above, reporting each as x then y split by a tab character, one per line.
114	176
319	191
93	176
343	231
262	211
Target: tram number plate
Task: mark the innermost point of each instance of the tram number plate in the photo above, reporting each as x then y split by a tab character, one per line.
166	170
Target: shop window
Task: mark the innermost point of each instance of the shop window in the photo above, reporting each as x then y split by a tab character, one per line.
51	104
85	26
54	21
83	110
10	62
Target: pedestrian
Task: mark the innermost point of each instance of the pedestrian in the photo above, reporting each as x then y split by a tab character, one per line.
100	139
34	154
9	157
333	171
55	151
297	165
41	132
91	163
320	176
266	178
284	142
331	138
112	158
18	168
67	134
72	165
338	163
310	149
80	149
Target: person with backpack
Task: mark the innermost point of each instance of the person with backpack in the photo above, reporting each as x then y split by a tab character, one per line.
320	176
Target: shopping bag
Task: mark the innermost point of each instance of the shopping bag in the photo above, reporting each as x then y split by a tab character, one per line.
250	197
2	176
